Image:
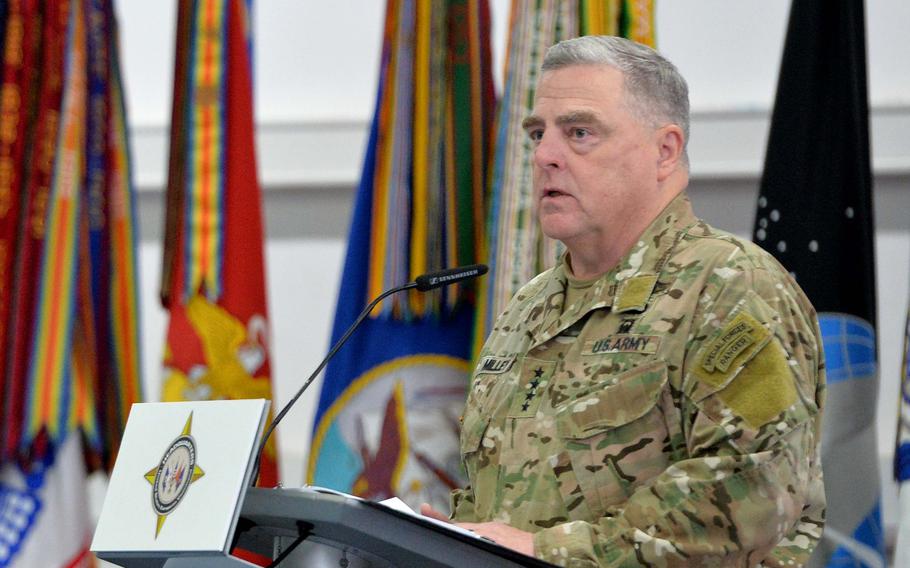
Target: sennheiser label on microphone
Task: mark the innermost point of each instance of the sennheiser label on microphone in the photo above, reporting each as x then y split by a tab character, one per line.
448	278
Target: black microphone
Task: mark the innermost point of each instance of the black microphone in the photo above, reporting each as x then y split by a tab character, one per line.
449	276
421	283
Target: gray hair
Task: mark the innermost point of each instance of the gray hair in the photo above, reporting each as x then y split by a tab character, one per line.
654	87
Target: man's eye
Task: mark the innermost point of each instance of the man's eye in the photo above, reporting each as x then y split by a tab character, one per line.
535	135
579	133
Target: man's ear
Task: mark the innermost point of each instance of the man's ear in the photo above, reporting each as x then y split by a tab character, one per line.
670	144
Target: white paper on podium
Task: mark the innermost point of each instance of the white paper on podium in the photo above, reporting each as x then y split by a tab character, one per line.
397	504
225	435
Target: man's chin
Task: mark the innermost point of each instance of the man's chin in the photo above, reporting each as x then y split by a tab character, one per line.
558	231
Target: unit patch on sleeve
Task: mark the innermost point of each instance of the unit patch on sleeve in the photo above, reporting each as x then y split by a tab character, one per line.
737	342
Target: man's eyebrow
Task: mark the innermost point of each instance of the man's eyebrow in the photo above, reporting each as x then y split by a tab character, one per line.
574	117
531	121
578	116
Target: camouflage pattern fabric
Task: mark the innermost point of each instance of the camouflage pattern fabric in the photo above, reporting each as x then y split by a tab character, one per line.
670	417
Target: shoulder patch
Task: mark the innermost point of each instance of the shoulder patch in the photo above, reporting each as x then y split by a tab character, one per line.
737	338
736	343
764	389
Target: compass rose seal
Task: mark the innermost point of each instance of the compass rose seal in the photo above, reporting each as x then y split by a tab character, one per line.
176	471
171	478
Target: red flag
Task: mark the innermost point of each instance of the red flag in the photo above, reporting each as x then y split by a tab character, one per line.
218	335
23	238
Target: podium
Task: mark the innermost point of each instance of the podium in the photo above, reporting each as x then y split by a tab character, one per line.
179	497
331	528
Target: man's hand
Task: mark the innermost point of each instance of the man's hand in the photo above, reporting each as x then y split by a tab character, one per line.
427	510
500	533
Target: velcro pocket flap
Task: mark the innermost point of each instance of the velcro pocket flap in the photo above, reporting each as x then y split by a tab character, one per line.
632	395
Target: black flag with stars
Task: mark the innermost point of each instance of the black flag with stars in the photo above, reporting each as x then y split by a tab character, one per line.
815	205
815	215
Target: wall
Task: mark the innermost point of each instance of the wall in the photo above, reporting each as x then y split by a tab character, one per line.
315	80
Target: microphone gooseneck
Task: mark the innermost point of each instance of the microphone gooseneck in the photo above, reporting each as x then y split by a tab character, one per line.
422	283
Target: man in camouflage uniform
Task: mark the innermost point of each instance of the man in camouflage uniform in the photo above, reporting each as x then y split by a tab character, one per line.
655	399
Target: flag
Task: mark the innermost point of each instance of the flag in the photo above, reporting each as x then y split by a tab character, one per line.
902	458
213	278
44	515
21	197
68	301
387	422
815	215
517	250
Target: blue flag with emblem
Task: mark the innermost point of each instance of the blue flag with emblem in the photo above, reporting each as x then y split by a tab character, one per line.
815	215
387	423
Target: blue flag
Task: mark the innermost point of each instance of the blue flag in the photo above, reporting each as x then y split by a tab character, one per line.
388	423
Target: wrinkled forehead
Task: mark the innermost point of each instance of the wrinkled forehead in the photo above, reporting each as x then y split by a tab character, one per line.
580	87
594	82
583	70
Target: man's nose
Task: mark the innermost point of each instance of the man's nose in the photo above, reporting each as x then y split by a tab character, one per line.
549	152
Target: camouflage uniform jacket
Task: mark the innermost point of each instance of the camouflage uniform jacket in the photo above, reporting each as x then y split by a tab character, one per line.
671	417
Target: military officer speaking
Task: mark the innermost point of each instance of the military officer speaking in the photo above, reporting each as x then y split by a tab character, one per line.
655	399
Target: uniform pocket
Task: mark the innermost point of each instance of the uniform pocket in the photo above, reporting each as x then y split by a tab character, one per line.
615	436
476	419
472	434
481	464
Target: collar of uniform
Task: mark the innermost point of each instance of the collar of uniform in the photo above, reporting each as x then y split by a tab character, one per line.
637	273
557	316
628	286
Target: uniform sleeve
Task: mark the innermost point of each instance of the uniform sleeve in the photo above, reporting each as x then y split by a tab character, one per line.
461	503
749	412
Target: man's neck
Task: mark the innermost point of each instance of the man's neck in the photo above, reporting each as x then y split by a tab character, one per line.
591	261
594	255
